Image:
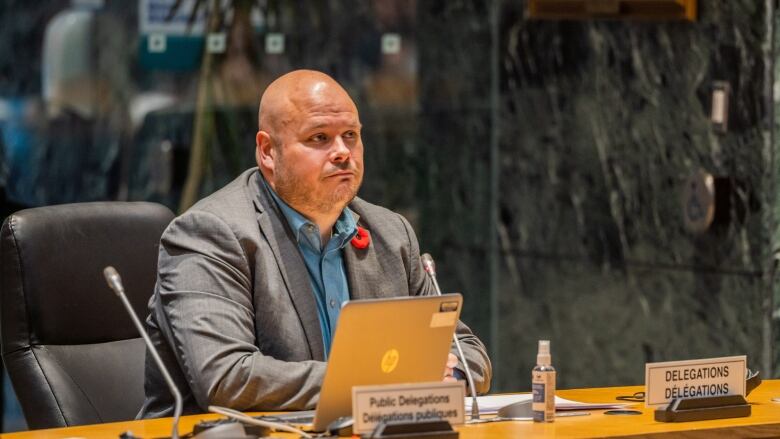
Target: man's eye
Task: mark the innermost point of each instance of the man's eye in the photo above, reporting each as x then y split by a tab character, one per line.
349	135
318	138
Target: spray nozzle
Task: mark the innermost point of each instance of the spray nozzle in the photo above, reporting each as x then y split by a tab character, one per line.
543	356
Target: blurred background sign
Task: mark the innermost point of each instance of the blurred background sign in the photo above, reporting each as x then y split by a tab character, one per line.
172	39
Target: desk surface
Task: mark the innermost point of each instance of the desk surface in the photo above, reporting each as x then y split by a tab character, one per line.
764	422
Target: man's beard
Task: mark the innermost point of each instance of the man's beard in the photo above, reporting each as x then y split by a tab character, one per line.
314	199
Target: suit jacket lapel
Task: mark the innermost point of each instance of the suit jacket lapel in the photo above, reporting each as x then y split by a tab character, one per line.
285	249
361	268
355	276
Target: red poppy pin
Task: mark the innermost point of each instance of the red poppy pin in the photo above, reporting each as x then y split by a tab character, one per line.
362	239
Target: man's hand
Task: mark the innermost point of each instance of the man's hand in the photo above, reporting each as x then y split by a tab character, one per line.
449	369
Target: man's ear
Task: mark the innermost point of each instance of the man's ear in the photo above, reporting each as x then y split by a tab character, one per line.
264	151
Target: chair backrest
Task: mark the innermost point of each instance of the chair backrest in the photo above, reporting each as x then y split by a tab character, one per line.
71	351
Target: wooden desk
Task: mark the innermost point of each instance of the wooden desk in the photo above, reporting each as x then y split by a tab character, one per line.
764	422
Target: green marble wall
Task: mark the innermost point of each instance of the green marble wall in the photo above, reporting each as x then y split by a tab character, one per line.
596	127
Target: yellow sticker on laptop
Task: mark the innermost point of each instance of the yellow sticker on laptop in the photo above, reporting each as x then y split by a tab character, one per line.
443	319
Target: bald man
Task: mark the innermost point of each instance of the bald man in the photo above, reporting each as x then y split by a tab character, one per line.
251	279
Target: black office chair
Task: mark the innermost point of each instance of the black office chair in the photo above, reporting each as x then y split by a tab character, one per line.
71	351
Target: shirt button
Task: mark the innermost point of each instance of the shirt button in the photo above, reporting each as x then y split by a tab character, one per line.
332	303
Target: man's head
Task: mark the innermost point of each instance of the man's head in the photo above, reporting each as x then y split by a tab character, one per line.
309	147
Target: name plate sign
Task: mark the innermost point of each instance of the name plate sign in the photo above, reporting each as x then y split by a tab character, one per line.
407	403
694	379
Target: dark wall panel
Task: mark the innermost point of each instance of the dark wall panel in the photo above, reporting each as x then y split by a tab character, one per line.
600	124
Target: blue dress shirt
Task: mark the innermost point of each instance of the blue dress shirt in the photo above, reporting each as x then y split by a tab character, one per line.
325	265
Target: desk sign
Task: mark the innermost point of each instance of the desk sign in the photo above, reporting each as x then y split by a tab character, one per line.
694	379
407	403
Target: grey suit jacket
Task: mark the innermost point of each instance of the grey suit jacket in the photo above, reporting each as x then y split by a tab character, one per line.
233	313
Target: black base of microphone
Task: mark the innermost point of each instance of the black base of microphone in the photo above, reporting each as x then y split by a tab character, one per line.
250	429
521	409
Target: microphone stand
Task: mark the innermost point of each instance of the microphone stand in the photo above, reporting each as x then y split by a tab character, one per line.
430	268
115	282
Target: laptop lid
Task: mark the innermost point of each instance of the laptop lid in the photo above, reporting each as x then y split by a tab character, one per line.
386	341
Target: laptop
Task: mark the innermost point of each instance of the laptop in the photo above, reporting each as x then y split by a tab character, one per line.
382	341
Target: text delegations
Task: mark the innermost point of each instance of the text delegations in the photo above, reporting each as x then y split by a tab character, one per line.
674	390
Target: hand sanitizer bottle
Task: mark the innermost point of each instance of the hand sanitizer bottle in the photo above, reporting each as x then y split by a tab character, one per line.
543	385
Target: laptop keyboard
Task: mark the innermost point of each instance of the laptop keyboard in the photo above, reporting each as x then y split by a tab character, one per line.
303	417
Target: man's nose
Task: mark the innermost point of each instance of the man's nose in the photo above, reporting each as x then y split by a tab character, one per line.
339	151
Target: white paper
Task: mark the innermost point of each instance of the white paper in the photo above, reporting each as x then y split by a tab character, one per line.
490	404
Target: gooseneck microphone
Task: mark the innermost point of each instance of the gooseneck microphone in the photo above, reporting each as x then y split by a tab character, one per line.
115	282
430	268
223	430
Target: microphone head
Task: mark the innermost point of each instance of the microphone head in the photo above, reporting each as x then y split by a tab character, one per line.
428	265
113	279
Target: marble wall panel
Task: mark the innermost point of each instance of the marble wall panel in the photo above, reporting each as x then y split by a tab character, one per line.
454	137
605	325
599	125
